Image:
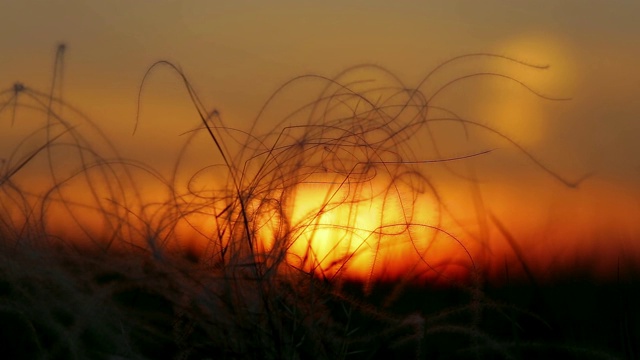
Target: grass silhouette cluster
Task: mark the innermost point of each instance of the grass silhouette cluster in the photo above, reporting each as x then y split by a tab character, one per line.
91	268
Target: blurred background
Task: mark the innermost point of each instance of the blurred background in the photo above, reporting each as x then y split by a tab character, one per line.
236	54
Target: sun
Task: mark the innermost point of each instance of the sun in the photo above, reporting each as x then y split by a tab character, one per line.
333	233
369	231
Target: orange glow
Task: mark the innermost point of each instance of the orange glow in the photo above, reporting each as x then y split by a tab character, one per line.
334	236
372	231
376	231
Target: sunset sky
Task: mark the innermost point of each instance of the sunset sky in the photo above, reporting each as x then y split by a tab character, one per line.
237	53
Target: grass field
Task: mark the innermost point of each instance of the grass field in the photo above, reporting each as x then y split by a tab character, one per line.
316	236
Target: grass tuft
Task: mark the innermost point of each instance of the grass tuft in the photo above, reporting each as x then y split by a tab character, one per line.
315	242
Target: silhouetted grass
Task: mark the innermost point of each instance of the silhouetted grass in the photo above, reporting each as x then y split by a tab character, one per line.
91	267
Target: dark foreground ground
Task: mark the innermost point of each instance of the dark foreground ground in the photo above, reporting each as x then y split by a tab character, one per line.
124	306
569	318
